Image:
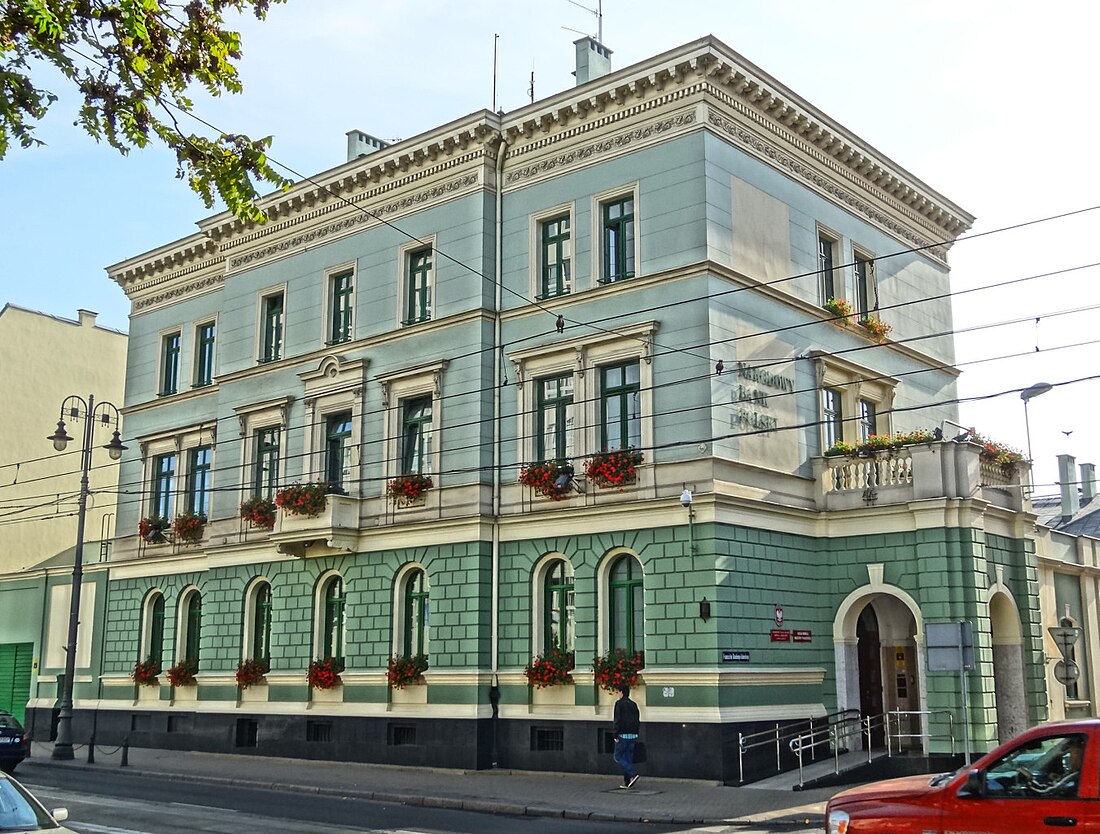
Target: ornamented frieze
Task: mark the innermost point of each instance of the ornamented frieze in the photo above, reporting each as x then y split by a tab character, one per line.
177	291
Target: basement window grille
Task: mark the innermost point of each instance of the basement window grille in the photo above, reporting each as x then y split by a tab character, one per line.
402	735
320	731
547	738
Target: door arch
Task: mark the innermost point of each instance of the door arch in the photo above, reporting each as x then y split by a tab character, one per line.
1008	664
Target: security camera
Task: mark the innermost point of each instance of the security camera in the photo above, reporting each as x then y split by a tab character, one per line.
685	498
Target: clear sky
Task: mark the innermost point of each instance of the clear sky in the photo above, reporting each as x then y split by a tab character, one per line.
993	104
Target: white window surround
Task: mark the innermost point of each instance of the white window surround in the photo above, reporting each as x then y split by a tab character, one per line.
250	593
319	612
400	583
181	623
177	441
335	386
534	244
538	598
854	383
603	593
627	189
151	596
326	302
584	357
403	253
402	385
261	296
253	417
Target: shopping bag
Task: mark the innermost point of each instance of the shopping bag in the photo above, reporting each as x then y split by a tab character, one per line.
640	753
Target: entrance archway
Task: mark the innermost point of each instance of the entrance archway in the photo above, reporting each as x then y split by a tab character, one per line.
1008	664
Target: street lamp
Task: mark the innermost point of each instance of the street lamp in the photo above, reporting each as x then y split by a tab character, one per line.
1030	393
107	415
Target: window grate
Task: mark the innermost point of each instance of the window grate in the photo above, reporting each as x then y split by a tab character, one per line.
402	735
319	731
547	738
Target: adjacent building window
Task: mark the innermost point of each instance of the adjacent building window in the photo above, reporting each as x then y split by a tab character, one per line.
832	417
338	451
416	434
554	421
204	354
558	609
617	219
826	265
271	343
340	307
556	251
414	607
265	471
332	620
864	272
259	629
170	364
191	627
164	485
626	629
620	406
197	493
154	628
868	419
418	287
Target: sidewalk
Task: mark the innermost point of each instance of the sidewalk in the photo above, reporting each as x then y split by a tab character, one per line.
522	793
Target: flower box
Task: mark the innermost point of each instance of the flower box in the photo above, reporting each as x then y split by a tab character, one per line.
839	308
406	490
183	673
550	668
406	671
145	672
999	455
876	329
258	512
543	478
554	696
188	527
151	529
878	443
613	470
251	672
612	670
325	674
302	499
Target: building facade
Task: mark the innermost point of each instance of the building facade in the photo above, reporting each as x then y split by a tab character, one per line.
568	375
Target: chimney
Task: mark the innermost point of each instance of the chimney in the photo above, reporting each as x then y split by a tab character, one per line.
87	318
1067	479
1088	483
593	60
361	144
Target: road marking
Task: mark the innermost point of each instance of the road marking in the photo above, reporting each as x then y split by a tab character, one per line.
202	807
92	828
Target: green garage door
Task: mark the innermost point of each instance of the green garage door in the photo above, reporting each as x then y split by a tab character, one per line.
15	677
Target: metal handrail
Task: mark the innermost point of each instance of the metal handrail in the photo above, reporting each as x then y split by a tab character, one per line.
900	736
776	736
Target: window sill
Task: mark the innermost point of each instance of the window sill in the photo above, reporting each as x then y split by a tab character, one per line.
407	322
603	281
547	296
342	341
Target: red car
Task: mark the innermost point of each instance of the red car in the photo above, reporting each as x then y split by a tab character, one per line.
1046	778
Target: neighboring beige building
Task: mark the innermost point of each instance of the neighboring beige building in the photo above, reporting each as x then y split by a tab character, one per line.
43	360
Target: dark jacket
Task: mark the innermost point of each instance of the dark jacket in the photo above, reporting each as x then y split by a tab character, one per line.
626	716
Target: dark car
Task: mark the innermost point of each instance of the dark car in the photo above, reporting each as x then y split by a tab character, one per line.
15	744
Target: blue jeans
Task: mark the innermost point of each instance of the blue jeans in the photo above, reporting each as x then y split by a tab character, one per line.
624	757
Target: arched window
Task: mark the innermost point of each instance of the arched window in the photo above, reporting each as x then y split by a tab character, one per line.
331	644
557	606
414	614
190	627
258	622
152	647
626	624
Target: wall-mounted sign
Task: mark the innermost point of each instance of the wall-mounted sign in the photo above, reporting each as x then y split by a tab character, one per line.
781	635
803	635
779	615
735	657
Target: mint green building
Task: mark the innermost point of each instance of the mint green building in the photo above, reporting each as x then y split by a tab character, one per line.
682	259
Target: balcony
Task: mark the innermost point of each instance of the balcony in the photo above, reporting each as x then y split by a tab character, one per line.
336	527
922	471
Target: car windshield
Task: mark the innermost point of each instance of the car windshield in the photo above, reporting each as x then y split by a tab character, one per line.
8	722
19	811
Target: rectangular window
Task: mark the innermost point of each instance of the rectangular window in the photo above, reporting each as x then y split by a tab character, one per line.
338	451
864	272
557	250
271	347
164	485
340	298
416	435
418	289
198	481
868	419
204	354
620	407
265	476
832	417
617	219
547	738
402	735
247	732
319	731
554	430
170	364
826	258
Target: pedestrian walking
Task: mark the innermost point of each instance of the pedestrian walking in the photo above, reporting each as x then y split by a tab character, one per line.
627	722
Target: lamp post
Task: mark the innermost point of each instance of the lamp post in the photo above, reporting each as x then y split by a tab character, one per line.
1030	393
107	414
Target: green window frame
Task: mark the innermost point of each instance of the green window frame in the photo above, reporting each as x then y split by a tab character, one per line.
204	354
265	474
415	614
340	308
155	647
862	269
826	260
261	622
416	434
418	287
554	418
557	251
338	451
164	485
620	406
618	239
558	608
192	635
271	348
197	492
332	634
170	364
626	612
832	416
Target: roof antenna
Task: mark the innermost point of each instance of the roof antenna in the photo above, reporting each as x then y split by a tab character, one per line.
598	11
496	37
531	89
